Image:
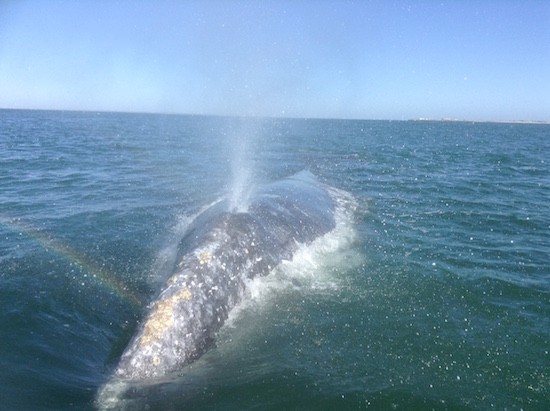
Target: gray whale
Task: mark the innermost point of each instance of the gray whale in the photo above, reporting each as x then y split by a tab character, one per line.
220	251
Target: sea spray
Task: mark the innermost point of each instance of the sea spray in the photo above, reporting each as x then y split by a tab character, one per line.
242	141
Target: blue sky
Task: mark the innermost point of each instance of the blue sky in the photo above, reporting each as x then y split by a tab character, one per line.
483	60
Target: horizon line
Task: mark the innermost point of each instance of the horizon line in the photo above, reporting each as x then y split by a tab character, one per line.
290	117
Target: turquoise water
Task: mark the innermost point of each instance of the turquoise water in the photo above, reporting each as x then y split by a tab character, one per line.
436	297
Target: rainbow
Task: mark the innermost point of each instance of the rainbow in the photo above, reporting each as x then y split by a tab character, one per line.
92	271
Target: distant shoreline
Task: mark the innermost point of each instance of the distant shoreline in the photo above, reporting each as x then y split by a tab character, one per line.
459	120
419	119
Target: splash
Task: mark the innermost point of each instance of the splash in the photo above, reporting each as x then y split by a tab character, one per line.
240	185
243	140
314	267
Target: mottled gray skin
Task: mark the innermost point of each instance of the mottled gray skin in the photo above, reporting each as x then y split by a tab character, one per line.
219	252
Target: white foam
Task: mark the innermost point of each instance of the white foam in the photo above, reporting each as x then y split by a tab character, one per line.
314	267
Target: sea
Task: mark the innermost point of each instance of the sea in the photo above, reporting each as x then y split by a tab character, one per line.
433	293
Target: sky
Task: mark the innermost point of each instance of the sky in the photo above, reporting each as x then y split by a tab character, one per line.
479	60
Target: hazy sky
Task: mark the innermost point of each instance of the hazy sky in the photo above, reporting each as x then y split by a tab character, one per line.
486	60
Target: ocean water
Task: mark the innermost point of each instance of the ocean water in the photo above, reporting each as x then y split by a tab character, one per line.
433	294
